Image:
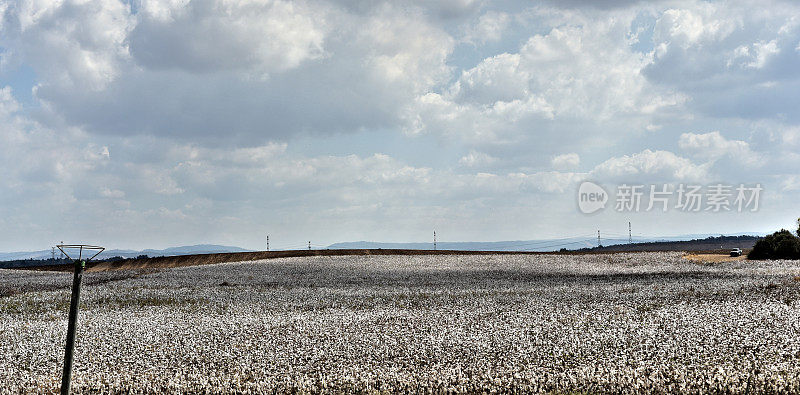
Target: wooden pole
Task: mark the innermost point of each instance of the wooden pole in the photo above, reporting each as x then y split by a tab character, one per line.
73	322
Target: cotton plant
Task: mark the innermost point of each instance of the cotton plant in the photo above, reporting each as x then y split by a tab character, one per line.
626	323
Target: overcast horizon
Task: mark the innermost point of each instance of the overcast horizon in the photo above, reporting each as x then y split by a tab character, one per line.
152	124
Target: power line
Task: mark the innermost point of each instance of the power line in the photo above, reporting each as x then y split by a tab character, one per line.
545	243
552	245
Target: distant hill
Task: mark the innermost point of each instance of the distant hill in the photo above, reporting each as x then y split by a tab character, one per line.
172	251
720	243
515	245
620	243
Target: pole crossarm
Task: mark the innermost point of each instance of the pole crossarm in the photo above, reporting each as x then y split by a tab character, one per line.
80	248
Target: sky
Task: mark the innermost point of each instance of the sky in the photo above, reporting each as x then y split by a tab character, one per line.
148	124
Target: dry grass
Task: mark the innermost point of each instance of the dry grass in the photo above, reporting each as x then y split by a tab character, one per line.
713	258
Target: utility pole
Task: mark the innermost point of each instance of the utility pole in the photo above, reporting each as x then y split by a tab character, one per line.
434	240
630	236
61	256
309	245
267	242
74	304
66	375
53	253
598	237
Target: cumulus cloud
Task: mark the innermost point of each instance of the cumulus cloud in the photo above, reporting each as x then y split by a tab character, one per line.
713	146
71	43
159	187
112	193
475	158
754	56
730	60
202	36
488	28
651	166
602	4
563	75
230	72
790	135
49	177
566	161
552	181
176	117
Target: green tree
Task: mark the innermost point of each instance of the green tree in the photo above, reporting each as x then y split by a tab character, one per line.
779	245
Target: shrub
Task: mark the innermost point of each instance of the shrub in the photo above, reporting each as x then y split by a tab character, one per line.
779	245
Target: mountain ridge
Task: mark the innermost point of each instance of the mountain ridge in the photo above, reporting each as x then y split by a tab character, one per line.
126	253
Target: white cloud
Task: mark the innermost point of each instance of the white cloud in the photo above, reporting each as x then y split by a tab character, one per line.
476	159
70	43
651	166
712	146
791	183
684	28
553	181
403	49
790	136
489	27
754	56
260	36
242	72
566	161
95	153
495	79
112	193
581	69
47	173
8	105
183	120
731	59
569	68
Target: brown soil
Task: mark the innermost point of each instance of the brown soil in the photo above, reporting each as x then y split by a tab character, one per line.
713	258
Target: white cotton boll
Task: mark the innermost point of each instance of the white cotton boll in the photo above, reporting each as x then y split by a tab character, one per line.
628	322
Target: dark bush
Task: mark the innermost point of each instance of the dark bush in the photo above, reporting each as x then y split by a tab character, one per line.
779	245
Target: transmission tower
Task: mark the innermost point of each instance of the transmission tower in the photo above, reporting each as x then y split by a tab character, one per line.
598	237
309	245
630	235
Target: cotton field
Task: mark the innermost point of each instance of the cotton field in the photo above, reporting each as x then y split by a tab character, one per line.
622	323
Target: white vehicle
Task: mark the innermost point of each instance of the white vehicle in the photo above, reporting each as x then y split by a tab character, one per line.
736	252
